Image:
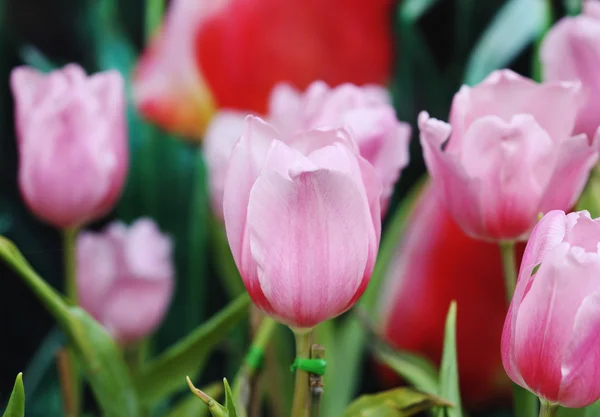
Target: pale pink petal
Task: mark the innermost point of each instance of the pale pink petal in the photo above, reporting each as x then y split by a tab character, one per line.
285	107
97	270
459	192
580	367
148	252
135	307
576	160
547	313
504	93
514	161
221	135
591	8
309	237
246	159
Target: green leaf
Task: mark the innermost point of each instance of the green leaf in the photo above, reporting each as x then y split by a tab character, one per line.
449	388
16	402
514	27
216	409
43	360
100	358
190	406
166	374
399	402
411	10
416	370
36	59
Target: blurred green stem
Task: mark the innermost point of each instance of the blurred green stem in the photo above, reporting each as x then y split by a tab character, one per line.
299	406
74	378
253	361
154	14
548	20
509	264
547	409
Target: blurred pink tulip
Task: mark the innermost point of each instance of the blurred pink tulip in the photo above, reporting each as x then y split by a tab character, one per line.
303	221
125	278
365	112
508	154
552	330
72	139
571	51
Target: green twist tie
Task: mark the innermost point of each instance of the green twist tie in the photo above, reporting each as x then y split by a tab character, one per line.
255	357
312	366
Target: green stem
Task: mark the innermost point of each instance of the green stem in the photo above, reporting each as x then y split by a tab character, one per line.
509	265
154	13
69	243
547	409
548	20
300	402
252	363
70	265
525	404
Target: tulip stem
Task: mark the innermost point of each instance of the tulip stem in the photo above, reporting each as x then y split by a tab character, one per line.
303	340
547	409
74	378
509	264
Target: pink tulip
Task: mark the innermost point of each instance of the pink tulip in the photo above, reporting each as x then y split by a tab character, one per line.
72	140
508	154
364	111
303	221
552	330
571	51
125	278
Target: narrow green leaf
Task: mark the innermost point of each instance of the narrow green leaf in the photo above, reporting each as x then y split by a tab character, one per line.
101	360
216	409
229	401
166	374
43	360
399	402
36	59
449	388
416	370
411	10
16	402
514	27
189	406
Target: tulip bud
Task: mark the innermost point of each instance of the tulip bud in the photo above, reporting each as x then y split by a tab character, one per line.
552	330
72	140
507	154
436	263
571	51
302	217
125	278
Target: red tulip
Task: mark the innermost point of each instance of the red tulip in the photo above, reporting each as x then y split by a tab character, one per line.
232	53
438	263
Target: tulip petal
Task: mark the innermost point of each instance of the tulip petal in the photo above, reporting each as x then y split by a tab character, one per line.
546	316
504	93
577	158
245	161
135	307
459	193
515	161
221	136
309	237
580	367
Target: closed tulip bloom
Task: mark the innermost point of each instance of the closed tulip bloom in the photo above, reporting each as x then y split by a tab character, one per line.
436	263
571	51
125	278
552	330
72	142
230	54
508	154
303	221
